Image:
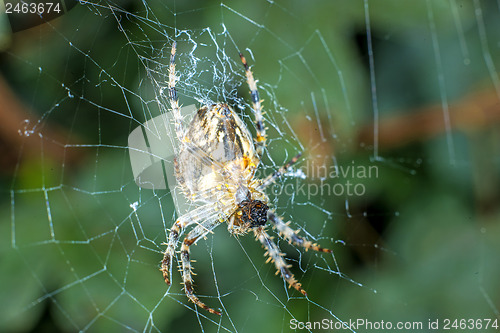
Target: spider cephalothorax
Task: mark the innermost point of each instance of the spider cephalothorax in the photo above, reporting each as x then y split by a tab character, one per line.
253	212
215	168
249	215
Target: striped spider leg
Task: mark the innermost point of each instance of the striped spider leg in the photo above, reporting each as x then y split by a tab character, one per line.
172	95
288	233
196	216
285	231
260	140
187	270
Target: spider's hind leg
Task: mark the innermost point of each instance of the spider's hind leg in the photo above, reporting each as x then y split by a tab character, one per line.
260	143
172	94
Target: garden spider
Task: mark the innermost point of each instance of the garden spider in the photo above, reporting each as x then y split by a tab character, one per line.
215	168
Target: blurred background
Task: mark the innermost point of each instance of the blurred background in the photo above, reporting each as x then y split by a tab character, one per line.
409	88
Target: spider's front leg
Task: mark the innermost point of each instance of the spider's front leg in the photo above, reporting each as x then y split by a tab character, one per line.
277	257
291	235
195	216
187	270
274	252
169	252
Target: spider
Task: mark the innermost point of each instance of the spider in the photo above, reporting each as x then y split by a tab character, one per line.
215	168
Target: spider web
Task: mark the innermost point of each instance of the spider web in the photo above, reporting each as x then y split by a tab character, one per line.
400	100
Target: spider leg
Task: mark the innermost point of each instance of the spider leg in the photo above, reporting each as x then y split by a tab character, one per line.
187	269
257	107
278	173
172	94
195	216
291	235
277	257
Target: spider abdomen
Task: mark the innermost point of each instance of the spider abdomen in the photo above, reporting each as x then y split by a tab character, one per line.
217	149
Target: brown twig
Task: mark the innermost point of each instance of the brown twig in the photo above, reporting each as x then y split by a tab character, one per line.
476	111
16	143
